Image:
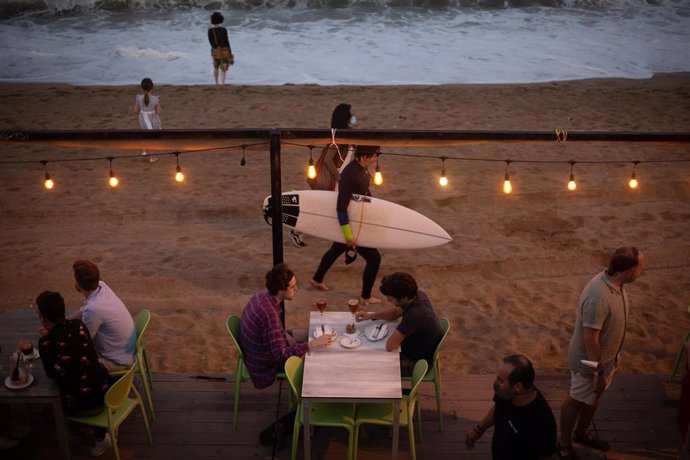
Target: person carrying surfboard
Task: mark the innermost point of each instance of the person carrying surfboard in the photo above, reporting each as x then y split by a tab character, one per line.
354	179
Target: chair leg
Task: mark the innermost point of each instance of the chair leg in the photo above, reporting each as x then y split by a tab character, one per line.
235	413
295	437
437	386
355	443
148	370
147	387
350	444
410	434
676	364
418	410
113	439
146	423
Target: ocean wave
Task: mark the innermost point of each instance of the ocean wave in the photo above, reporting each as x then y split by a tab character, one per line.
11	8
133	52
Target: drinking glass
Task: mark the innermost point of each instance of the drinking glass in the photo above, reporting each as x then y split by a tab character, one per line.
353	305
27	349
321	305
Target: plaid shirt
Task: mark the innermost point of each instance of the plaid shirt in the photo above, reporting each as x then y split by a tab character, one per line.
263	342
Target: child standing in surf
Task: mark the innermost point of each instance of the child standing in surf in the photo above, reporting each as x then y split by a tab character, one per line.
149	108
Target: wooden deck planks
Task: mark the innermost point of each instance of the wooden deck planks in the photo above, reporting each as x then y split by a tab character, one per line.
194	421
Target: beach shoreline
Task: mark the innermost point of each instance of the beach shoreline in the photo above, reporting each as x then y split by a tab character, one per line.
509	282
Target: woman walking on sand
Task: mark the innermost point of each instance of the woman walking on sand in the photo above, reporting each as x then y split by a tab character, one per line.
220	47
149	108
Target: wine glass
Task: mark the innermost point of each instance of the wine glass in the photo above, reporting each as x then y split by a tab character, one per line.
321	305
353	305
27	349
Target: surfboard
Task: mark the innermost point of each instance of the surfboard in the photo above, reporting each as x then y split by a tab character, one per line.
375	223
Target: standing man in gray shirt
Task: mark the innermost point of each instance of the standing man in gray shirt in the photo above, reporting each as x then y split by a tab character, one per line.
596	343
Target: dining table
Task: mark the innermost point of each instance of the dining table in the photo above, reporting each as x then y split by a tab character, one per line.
354	368
22	325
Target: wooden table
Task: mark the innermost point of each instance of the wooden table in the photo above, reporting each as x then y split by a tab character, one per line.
368	374
18	326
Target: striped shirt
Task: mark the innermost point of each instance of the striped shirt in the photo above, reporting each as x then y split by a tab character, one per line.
263	342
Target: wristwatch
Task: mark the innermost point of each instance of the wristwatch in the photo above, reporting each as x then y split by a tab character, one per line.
478	429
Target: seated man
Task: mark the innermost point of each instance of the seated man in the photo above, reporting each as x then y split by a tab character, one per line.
524	426
265	343
108	320
418	333
69	357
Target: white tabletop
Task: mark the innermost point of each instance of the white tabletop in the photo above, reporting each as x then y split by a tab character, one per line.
338	320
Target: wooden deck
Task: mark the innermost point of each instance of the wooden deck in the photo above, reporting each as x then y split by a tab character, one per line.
637	415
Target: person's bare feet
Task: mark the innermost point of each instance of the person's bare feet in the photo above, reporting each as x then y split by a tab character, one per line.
319	286
370	301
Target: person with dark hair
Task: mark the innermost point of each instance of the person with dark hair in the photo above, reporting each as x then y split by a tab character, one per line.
524	425
265	342
596	343
149	108
109	322
69	357
354	179
418	333
332	160
220	47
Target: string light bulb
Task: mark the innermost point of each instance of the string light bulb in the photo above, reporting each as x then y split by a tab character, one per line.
443	180
179	175
633	182
113	180
311	170
378	177
49	183
507	185
572	185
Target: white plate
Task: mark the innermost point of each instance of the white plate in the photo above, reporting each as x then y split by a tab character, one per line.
350	342
329	330
353	335
374	333
13	386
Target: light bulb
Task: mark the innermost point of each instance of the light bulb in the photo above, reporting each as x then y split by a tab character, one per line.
113	181
443	181
378	177
572	185
49	184
179	176
507	186
633	183
311	170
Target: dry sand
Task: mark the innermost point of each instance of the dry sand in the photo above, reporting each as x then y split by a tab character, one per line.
509	282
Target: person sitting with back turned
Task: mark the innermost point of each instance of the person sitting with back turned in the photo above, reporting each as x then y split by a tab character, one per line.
69	357
418	333
524	425
109	322
265	343
354	179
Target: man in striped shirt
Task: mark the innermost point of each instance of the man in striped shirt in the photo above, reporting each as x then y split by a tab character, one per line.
265	343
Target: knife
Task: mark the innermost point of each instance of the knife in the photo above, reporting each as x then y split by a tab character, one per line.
377	331
323	330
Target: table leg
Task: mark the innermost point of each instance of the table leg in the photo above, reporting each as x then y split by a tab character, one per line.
61	429
306	431
396	427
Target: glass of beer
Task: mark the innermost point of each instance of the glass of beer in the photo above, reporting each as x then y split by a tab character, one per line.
321	305
353	305
27	349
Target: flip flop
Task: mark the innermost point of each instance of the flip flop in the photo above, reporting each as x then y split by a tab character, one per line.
566	453
590	439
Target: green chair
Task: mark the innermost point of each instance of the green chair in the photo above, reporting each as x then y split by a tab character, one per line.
141	364
241	372
680	357
434	373
320	414
119	403
382	413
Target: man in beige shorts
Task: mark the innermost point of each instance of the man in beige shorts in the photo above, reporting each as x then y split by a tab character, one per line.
595	346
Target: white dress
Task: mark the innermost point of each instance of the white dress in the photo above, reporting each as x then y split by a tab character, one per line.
148	118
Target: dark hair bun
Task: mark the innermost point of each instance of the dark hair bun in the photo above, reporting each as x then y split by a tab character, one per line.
217	18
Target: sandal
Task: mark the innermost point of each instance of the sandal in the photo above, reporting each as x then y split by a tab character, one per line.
590	439
566	452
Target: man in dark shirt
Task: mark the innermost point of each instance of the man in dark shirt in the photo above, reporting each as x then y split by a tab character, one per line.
354	179
524	426
418	333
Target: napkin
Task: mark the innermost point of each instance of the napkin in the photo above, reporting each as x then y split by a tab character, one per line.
329	330
375	333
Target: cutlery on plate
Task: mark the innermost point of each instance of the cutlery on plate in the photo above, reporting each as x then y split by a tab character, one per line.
323	329
15	372
375	335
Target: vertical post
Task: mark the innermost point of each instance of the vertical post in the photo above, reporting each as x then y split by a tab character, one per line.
277	207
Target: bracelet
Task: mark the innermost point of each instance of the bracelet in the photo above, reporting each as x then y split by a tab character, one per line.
478	429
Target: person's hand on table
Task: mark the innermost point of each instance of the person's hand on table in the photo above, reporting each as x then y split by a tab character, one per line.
364	315
322	342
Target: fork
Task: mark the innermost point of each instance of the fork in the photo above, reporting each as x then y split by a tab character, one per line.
377	331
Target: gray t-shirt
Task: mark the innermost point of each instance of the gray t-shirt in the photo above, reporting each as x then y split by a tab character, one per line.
602	306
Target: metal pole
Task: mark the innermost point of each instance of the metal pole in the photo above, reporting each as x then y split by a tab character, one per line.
277	207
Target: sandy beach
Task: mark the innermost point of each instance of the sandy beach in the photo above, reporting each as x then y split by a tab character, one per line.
509	281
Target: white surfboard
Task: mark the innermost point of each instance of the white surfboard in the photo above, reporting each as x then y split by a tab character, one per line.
375	223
